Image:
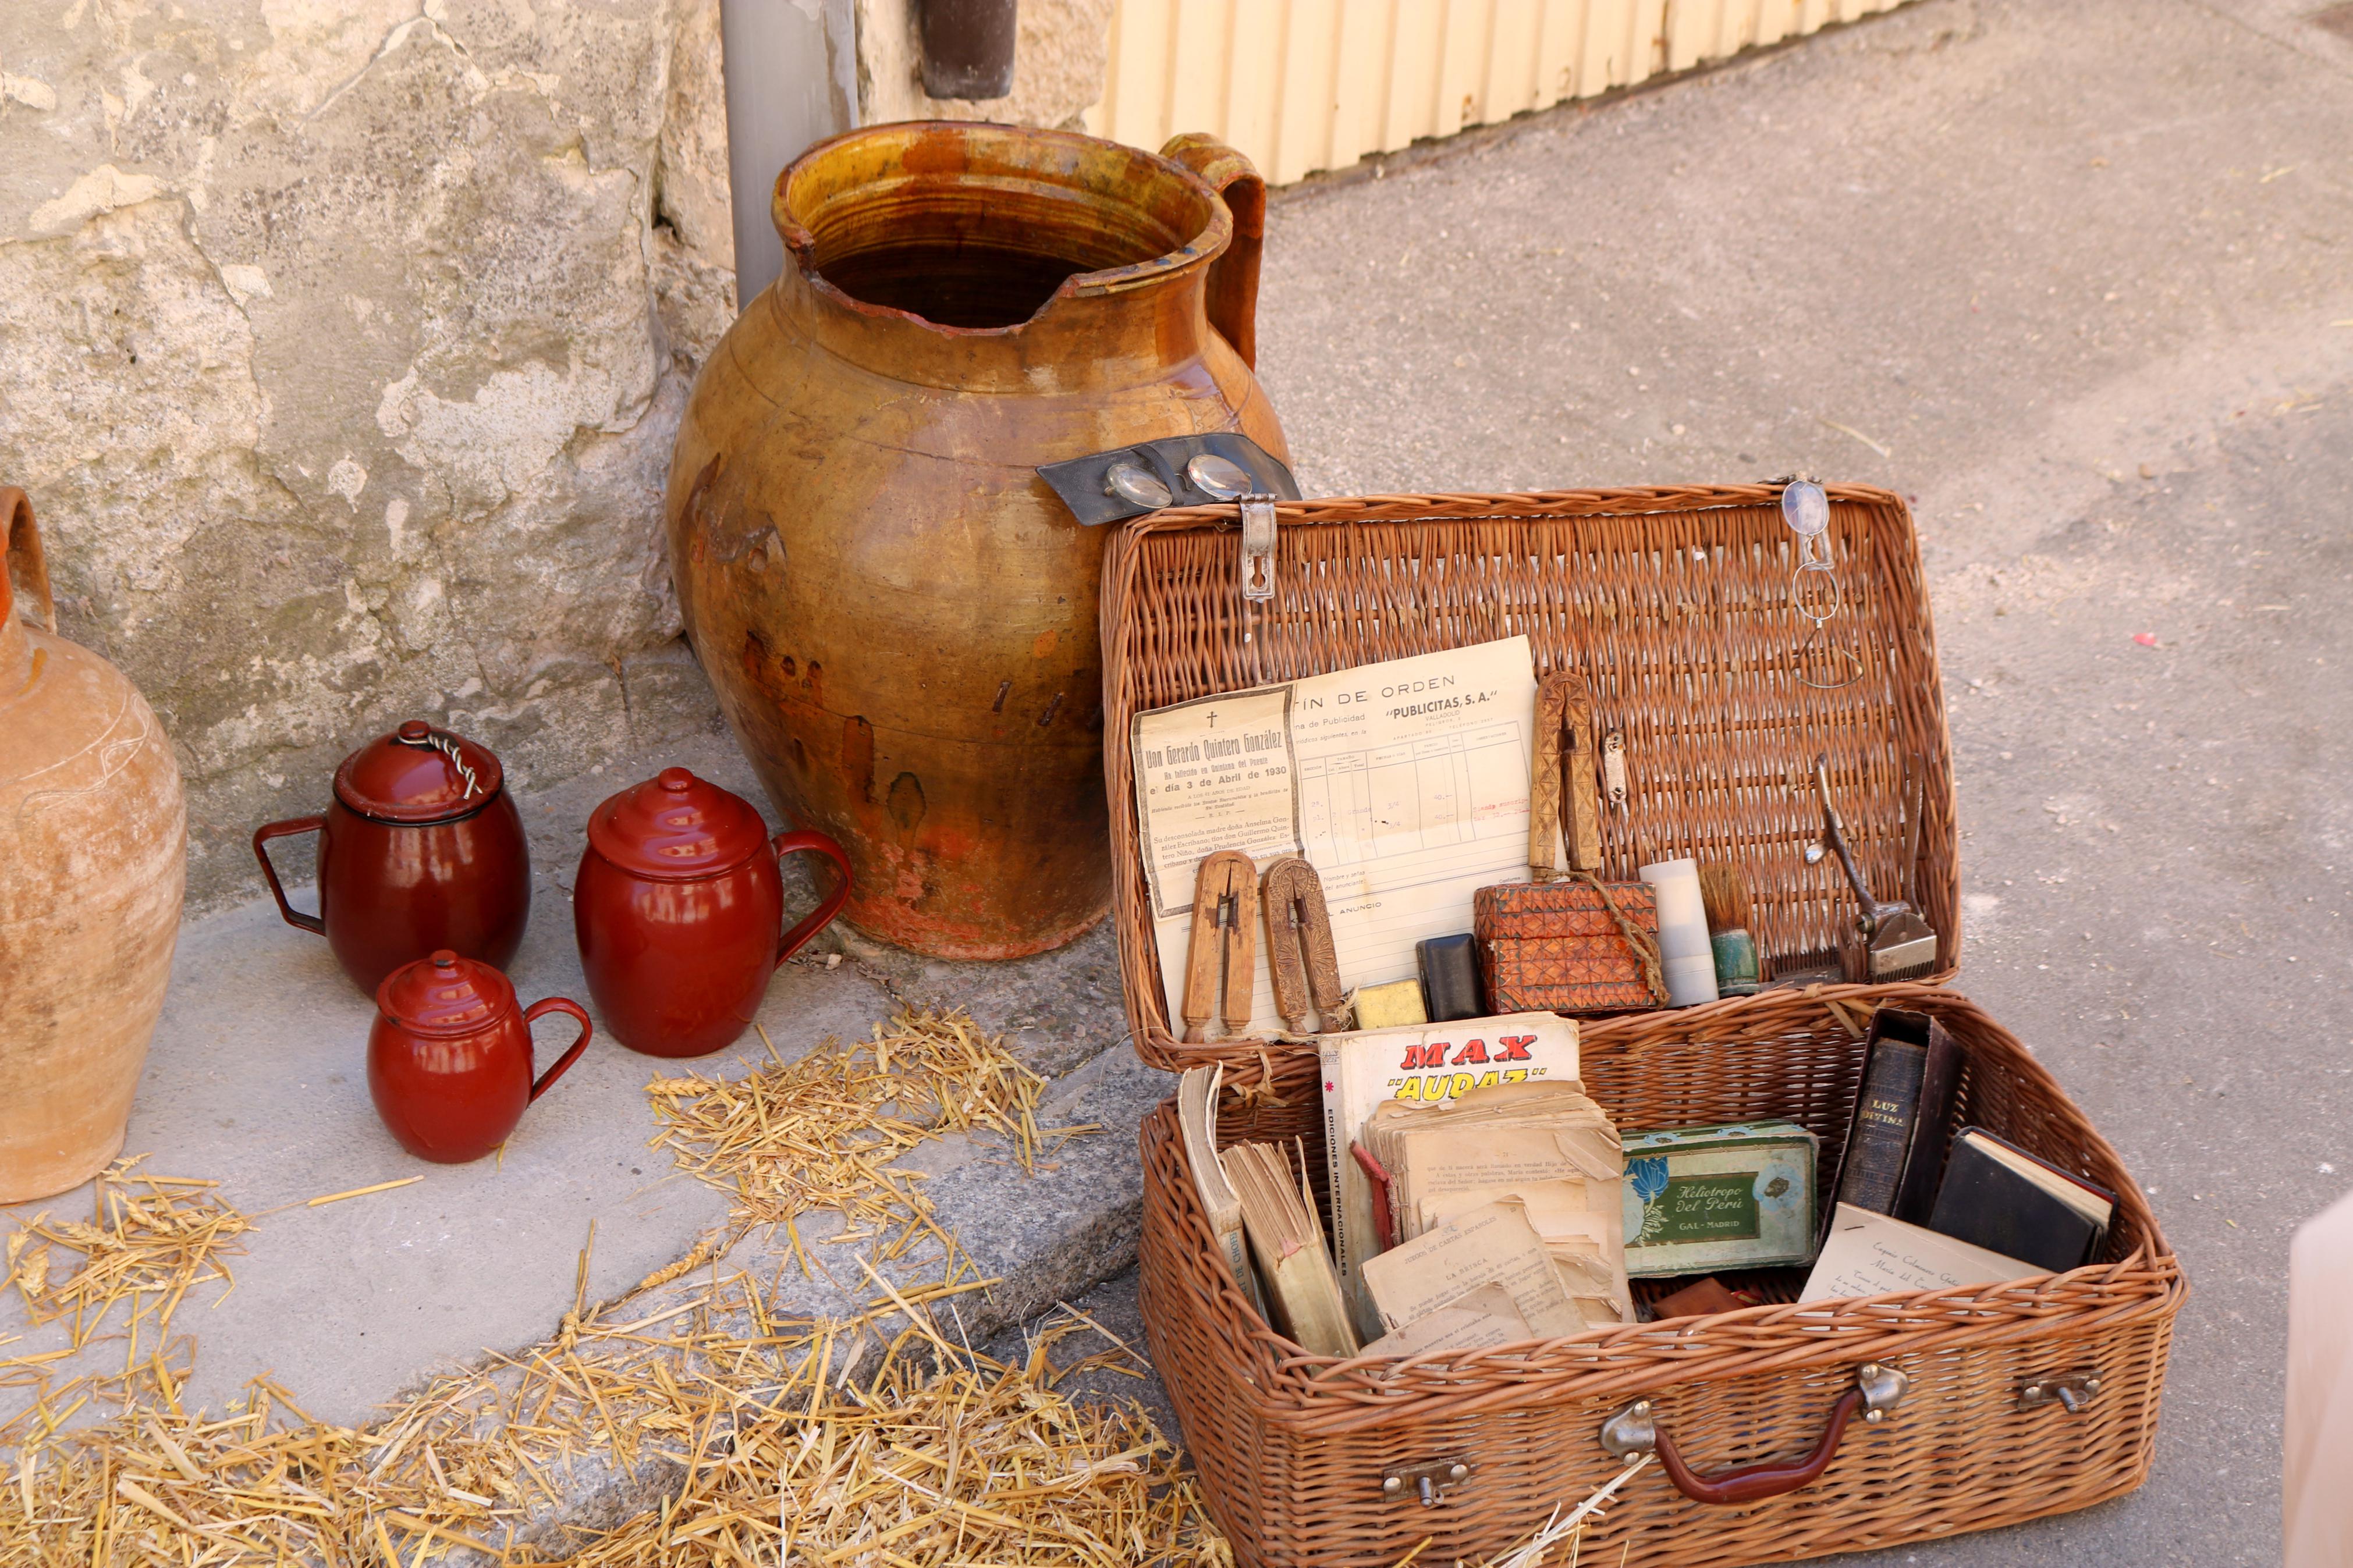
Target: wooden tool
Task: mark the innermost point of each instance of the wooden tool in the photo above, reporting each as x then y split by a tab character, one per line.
1219	963
1299	953
1565	791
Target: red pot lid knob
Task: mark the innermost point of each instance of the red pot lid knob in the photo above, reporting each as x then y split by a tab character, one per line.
418	775
675	826
445	995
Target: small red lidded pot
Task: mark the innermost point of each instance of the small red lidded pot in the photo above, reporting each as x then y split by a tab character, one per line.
421	848
678	906
449	1060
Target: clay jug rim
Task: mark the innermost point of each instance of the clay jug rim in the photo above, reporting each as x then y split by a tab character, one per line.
1053	153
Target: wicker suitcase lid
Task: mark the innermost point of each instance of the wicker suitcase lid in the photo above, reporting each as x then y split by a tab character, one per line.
1675	604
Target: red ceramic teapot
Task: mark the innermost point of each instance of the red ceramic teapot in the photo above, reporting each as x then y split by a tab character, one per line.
449	1060
421	848
677	908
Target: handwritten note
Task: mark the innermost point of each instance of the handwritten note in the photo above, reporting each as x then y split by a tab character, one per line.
1869	1254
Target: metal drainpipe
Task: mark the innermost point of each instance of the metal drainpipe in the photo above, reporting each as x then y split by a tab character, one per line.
968	46
792	80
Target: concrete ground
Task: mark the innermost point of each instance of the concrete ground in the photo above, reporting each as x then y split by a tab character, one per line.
2078	279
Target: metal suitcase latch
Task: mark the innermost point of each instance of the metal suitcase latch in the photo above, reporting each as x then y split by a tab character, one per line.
1428	1482
1258	547
2071	1389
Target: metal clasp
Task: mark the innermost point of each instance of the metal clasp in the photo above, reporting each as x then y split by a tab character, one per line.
1884	1389
1630	1432
2071	1389
1258	547
1427	1481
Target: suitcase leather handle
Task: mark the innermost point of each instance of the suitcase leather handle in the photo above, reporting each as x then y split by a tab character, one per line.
1635	1430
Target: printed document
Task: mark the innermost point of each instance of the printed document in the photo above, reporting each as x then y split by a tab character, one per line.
1404	783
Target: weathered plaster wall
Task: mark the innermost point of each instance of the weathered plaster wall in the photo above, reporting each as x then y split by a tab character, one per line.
341	343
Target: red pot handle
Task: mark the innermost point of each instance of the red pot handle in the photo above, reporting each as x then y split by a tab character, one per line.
287	829
793	842
540	1010
1634	1430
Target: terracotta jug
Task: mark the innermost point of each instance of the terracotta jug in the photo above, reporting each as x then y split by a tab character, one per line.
898	614
448	1059
421	848
678	906
94	853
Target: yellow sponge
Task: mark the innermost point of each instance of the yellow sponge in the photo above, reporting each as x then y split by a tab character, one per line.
1390	1006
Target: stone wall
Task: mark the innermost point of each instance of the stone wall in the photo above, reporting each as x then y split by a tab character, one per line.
343	341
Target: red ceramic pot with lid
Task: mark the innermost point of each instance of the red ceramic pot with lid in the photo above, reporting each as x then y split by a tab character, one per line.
421	848
678	907
449	1060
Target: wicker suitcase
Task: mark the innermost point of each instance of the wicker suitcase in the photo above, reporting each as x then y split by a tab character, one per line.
1676	606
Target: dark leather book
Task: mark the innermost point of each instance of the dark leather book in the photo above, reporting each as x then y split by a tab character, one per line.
1879	1136
1449	978
1932	1125
1997	1196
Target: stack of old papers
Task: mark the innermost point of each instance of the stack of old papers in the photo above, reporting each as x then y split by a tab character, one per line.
1515	1185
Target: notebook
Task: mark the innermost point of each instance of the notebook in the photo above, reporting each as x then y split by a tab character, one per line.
1997	1195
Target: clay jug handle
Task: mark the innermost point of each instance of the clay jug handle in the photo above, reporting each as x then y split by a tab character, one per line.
540	1010
21	557
1233	276
793	842
263	835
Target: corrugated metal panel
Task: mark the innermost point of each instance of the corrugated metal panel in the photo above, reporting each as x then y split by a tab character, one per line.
1302	85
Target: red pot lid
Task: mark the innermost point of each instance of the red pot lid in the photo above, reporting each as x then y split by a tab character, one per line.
418	774
675	826
445	995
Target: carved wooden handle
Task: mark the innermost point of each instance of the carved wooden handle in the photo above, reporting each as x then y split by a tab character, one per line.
1233	276
1220	964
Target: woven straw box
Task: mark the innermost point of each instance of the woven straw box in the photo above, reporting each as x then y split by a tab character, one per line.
1675	605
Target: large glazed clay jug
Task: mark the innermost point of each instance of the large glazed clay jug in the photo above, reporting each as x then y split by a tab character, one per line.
897	612
93	854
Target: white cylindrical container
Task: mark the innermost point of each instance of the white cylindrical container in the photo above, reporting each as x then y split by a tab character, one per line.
1685	957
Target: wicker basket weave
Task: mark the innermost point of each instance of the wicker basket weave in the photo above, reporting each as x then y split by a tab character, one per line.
1675	605
1291	1448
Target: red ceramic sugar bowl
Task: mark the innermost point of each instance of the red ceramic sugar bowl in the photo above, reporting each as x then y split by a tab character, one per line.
678	907
449	1060
421	848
